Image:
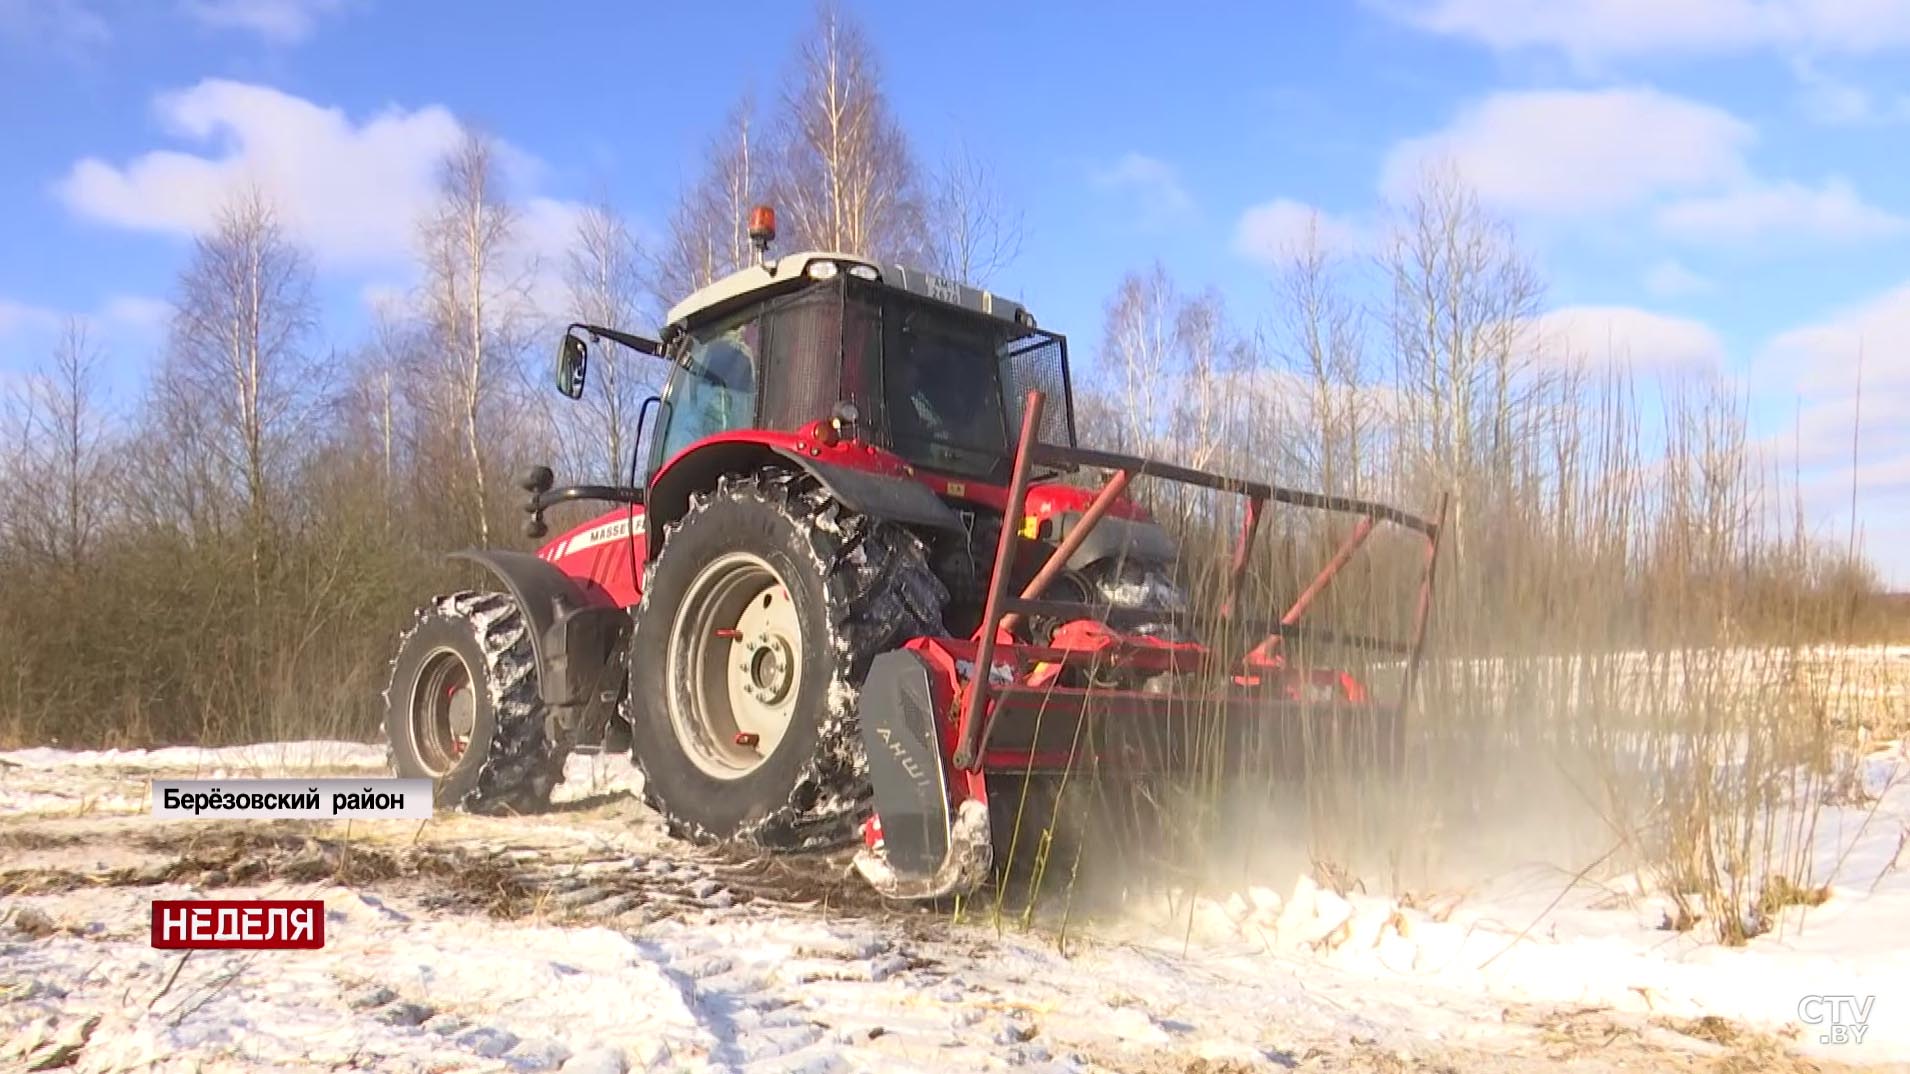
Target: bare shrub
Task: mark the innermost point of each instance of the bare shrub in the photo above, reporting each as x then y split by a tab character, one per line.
1635	665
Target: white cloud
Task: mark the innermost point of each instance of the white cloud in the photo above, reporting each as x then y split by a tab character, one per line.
1626	336
384	297
1833	212
1823	358
1153	183
136	312
1819	442
1818	368
1671	279
1595	31
21	316
1823	428
139	313
282	21
1571	151
350	190
1274	231
546	234
1834	102
121	325
1574	152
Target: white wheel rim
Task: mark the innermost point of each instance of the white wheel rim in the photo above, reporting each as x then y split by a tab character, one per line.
443	711
734	667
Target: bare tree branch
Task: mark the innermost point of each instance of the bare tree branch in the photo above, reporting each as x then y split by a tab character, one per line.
238	354
605	281
56	478
846	176
708	231
476	301
976	233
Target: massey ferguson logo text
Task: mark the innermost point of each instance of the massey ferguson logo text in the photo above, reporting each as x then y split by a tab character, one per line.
262	924
1839	1019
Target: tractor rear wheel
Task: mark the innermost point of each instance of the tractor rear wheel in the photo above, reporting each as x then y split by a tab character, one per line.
760	616
462	708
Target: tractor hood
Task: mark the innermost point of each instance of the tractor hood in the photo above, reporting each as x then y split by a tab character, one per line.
1053	499
1126	532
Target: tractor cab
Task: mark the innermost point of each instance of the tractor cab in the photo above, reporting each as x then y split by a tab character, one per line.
926	368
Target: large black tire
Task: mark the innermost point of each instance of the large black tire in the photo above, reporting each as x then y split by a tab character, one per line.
476	642
857	586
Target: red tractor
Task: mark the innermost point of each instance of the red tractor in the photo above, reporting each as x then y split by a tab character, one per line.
853	586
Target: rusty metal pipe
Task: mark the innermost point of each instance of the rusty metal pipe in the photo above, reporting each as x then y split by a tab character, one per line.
1325	578
1058	561
1243	551
968	733
1422	614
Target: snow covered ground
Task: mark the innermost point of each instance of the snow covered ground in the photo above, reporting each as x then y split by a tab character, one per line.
584	940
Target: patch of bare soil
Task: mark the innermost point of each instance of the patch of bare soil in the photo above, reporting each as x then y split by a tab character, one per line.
36	839
554	879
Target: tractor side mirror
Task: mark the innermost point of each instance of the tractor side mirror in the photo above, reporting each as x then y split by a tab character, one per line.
573	360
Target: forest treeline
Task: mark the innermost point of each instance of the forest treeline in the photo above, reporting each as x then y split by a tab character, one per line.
231	552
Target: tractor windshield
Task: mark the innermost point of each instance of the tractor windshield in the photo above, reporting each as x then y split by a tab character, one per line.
952	381
714	388
944	394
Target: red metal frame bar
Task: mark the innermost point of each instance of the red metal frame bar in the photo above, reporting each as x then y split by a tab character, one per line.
1000	613
1325	578
968	731
1104	460
1249	527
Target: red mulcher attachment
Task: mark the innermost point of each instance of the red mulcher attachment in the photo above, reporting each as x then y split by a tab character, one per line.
935	727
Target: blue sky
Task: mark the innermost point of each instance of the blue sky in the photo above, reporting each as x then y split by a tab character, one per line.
1704	183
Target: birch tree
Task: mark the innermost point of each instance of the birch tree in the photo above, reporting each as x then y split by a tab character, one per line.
846	179
476	299
709	230
976	234
1320	342
1213	368
1462	294
238	358
1137	352
58	474
605	282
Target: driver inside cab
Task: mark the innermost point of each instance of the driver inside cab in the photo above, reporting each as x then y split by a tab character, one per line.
940	399
726	365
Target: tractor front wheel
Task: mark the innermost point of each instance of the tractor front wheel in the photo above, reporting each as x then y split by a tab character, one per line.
760	617
462	709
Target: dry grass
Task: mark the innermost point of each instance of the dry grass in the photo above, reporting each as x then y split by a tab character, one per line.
1642	658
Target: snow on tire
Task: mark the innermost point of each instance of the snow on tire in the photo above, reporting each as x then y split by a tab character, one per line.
462	708
761	614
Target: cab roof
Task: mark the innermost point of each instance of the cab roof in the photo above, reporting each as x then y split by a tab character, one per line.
779	271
